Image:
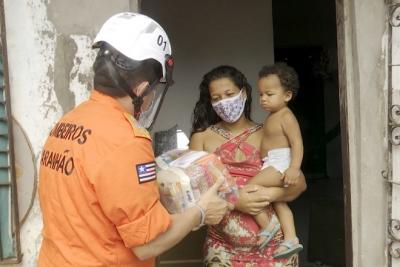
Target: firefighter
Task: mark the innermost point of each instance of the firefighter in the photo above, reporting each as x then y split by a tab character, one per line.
97	190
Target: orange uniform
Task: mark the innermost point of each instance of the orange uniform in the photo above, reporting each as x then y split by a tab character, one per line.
97	189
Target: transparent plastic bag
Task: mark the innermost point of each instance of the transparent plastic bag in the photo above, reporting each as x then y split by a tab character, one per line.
184	175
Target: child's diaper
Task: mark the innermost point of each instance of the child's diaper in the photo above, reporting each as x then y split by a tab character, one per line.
278	158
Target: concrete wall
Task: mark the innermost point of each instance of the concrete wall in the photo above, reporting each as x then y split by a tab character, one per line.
394	96
50	62
362	68
205	34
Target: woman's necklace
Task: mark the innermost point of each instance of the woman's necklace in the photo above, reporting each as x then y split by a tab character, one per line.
229	133
221	131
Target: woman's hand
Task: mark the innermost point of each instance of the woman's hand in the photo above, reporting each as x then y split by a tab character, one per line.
215	212
213	206
252	199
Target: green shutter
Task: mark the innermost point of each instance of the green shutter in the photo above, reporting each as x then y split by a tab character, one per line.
6	238
10	249
8	211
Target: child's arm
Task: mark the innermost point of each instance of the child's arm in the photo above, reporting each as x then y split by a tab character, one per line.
292	131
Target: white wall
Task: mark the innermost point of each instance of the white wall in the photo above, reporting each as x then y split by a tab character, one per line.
205	34
50	60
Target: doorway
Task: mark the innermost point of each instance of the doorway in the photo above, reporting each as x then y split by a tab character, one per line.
305	37
248	35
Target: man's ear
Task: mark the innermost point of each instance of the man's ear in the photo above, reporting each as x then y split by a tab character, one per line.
288	95
140	88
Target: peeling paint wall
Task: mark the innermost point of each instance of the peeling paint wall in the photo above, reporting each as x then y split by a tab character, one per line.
50	63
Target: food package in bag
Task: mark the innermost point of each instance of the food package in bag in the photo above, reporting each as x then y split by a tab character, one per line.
184	175
163	161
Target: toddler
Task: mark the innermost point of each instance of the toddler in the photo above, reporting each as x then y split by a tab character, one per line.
282	151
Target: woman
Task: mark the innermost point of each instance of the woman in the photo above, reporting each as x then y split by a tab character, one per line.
222	125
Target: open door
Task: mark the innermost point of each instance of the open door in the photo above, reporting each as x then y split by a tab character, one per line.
248	35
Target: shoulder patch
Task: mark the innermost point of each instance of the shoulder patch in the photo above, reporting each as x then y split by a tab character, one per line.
146	172
138	131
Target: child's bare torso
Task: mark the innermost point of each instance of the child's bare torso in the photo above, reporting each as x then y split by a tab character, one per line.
274	135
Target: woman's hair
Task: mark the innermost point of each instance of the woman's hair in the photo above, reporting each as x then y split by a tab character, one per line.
204	114
286	74
115	74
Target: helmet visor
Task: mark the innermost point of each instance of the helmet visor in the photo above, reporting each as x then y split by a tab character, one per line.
152	100
154	96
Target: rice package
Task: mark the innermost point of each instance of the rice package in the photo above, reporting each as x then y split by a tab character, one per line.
183	175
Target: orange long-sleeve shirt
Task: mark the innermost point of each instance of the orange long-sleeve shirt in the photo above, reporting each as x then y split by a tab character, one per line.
97	189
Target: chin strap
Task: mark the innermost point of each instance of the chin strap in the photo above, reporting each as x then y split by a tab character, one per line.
137	102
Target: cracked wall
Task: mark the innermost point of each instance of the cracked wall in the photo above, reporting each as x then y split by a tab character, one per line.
50	60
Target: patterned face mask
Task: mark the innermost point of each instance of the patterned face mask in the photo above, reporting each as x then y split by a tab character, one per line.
230	109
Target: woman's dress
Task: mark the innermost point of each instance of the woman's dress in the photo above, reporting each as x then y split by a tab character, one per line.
233	242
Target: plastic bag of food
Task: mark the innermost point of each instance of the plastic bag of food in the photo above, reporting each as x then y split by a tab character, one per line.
183	175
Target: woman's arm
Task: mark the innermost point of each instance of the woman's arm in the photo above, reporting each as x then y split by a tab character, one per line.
254	198
196	142
285	194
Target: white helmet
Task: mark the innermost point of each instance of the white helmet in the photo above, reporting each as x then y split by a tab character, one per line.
136	36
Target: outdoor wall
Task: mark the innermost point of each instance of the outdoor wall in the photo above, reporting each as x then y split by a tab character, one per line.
206	34
362	67
50	61
394	150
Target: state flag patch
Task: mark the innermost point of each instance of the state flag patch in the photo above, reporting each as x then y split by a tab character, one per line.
146	172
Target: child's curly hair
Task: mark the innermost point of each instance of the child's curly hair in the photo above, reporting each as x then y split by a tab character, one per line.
286	74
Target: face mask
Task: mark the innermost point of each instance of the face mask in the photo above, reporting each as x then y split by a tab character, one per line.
230	109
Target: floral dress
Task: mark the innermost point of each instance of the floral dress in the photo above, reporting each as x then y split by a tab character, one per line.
233	242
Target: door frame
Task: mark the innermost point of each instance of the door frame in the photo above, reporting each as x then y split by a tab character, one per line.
345	30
